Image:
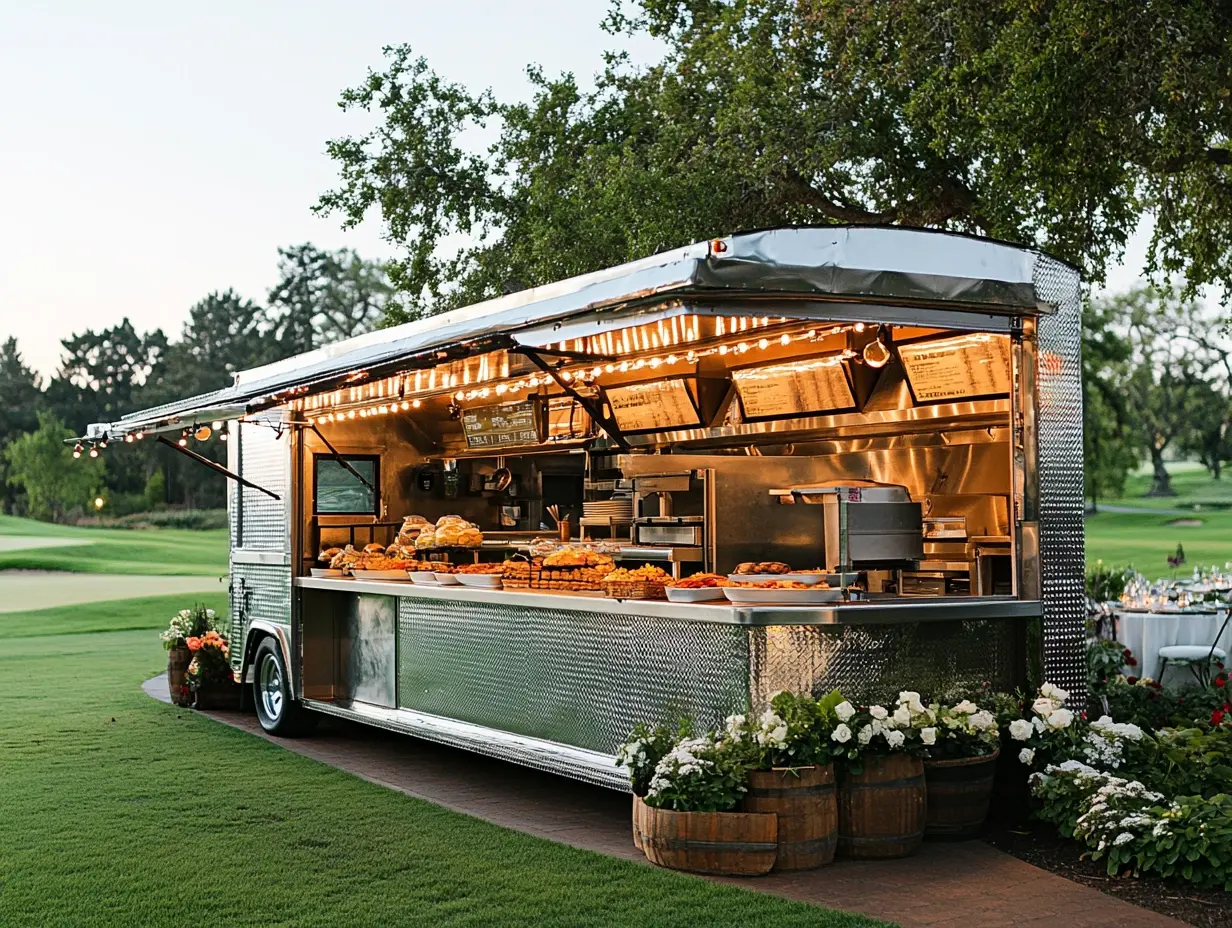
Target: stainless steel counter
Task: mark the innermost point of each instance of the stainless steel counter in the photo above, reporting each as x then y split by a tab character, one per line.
895	611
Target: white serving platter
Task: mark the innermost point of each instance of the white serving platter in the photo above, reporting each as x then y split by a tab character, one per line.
703	594
325	572
482	581
423	578
782	597
446	579
380	575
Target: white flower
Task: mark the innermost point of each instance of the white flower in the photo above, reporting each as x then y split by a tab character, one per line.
734	722
895	739
841	734
911	701
1026	755
1044	707
1123	838
844	710
865	734
902	716
928	735
1020	729
1054	692
1038	724
983	721
779	735
878	712
966	707
1061	718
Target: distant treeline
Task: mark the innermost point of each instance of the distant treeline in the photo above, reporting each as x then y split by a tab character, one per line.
320	297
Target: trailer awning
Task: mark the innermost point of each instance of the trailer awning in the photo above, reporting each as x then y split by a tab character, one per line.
894	266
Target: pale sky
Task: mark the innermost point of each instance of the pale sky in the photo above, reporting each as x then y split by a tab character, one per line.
153	152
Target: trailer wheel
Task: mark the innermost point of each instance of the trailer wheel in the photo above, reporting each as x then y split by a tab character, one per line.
277	710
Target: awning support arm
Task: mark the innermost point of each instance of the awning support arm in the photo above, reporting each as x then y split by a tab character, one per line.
341	460
212	465
594	409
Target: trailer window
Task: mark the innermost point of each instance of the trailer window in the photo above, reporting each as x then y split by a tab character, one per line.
337	491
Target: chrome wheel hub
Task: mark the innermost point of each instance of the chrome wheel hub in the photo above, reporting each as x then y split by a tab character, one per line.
270	685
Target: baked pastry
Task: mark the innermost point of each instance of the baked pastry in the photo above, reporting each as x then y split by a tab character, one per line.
374	548
470	538
762	567
329	554
425	539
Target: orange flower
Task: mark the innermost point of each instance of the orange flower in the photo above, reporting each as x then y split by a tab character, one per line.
194	644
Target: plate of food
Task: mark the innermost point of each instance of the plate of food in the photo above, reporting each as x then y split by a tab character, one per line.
445	578
782	592
759	568
422	577
480	581
326	572
698	588
360	574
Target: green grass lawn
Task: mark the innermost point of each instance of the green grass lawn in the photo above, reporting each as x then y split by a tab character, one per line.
1144	540
117	551
116	810
151	612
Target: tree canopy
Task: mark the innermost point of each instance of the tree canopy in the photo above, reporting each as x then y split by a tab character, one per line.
1054	123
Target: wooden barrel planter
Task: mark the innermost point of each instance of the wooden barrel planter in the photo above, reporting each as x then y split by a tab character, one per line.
804	800
959	792
881	810
178	660
715	843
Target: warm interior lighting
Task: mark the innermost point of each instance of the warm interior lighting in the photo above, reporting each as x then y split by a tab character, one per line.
876	354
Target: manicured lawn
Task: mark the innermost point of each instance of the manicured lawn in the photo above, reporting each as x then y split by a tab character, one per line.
116	551
119	811
150	612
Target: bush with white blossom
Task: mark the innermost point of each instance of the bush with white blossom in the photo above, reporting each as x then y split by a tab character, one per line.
961	730
796	730
643	750
699	775
909	726
1048	732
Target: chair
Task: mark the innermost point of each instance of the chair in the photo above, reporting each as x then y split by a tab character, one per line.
1197	657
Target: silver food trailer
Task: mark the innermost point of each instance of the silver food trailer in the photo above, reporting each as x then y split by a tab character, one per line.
899	409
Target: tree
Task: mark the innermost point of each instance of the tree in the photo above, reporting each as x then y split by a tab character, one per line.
973	117
1173	371
22	393
102	373
323	297
224	334
43	465
1110	440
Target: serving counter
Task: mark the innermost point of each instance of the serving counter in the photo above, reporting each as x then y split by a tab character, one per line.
554	679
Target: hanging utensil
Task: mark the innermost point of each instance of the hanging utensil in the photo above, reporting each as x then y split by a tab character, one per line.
502	477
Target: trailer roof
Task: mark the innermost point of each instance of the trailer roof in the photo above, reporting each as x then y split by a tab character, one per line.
852	263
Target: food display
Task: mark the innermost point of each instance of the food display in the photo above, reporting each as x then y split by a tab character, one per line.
699	582
449	532
781	592
426	567
776	585
698	588
569	569
645	582
411	527
578	557
481	569
762	567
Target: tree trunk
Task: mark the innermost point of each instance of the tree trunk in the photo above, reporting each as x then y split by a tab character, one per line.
1161	480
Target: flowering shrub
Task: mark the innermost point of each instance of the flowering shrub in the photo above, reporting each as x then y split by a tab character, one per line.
699	775
211	662
962	730
796	731
1048	733
1135	828
1106	743
910	726
643	750
188	623
1104	662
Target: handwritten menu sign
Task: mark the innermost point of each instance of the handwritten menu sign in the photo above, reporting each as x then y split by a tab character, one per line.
792	389
641	407
954	368
501	426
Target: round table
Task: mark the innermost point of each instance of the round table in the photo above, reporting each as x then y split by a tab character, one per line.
1145	633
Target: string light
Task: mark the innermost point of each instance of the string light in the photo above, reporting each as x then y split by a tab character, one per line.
93	451
77	449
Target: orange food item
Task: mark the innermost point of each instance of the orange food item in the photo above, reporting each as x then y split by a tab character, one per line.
699	581
779	585
480	569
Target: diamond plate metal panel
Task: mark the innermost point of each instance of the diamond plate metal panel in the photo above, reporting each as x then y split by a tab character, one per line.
266	461
258	591
1062	554
566	675
872	663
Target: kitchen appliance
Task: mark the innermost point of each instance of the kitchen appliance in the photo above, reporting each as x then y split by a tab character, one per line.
864	525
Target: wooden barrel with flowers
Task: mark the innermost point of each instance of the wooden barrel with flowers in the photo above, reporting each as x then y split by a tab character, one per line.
959	792
804	800
178	659
714	843
881	809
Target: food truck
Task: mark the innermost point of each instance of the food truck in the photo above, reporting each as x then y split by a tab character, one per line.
851	455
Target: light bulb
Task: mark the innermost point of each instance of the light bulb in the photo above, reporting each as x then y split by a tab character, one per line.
416	404
216	425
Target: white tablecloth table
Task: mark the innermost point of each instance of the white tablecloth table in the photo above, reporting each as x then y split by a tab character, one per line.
1145	633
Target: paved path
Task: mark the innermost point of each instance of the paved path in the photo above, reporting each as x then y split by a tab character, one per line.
22	542
22	590
964	885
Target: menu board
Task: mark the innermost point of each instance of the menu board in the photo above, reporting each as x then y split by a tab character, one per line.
793	389
500	426
663	404
959	367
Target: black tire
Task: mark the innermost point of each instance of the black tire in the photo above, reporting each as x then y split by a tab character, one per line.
277	709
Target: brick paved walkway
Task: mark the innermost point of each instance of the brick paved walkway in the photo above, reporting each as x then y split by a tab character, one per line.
966	884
